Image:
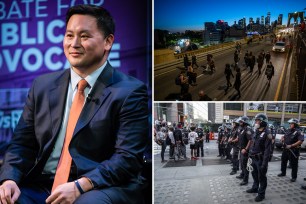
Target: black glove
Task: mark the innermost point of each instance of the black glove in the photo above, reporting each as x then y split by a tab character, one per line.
263	168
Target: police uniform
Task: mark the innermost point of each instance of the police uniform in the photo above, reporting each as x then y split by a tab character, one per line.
234	135
227	146
220	143
291	137
260	155
245	136
273	133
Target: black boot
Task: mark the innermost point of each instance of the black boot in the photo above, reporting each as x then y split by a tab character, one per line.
281	175
252	190
243	183
259	198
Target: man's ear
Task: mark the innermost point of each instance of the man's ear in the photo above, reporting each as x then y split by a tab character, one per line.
109	40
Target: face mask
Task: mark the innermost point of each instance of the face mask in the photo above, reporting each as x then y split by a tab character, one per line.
257	126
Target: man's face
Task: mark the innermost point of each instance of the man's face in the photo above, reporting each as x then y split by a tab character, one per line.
84	44
291	125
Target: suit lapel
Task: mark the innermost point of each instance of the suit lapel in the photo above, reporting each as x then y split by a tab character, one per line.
57	101
99	93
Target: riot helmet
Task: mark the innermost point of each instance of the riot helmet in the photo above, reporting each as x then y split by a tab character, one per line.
294	121
220	129
263	120
271	127
244	119
235	122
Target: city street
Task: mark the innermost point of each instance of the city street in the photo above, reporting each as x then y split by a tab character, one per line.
254	87
207	180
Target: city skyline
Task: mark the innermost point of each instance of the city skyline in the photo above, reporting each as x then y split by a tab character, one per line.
176	17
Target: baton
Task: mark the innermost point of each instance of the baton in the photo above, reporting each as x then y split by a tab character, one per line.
291	151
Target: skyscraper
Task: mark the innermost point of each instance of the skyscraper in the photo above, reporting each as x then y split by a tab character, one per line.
262	22
268	18
280	19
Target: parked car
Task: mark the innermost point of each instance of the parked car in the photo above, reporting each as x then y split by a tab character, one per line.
279	47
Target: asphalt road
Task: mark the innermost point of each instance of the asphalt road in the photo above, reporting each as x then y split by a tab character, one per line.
254	87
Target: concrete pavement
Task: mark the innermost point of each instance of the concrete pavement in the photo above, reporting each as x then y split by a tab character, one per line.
207	180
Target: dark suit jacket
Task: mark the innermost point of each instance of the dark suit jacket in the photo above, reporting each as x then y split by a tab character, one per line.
109	138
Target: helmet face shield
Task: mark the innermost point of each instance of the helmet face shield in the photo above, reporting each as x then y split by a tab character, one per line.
262	118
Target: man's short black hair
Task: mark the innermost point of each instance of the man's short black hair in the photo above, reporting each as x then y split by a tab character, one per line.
105	21
192	128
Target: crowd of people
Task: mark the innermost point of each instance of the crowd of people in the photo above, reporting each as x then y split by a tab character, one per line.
188	76
172	134
246	147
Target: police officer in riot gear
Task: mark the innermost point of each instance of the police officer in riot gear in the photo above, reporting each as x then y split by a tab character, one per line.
227	146
234	143
260	155
292	141
245	141
273	133
220	141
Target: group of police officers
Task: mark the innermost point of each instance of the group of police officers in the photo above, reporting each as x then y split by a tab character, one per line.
248	148
255	148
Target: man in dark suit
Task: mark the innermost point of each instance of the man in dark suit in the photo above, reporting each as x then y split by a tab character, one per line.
110	134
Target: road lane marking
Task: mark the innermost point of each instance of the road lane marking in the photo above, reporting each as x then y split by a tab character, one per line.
280	81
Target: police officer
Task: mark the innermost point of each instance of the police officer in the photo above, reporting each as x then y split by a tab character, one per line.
273	133
292	141
220	141
227	146
245	141
234	143
260	155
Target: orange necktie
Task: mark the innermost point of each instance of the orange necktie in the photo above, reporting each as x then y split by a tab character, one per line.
63	167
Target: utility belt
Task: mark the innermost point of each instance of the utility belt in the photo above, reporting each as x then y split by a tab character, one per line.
257	156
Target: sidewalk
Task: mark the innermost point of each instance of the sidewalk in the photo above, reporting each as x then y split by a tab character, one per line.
207	181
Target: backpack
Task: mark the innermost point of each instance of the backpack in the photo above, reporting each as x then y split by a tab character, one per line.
178	80
168	140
